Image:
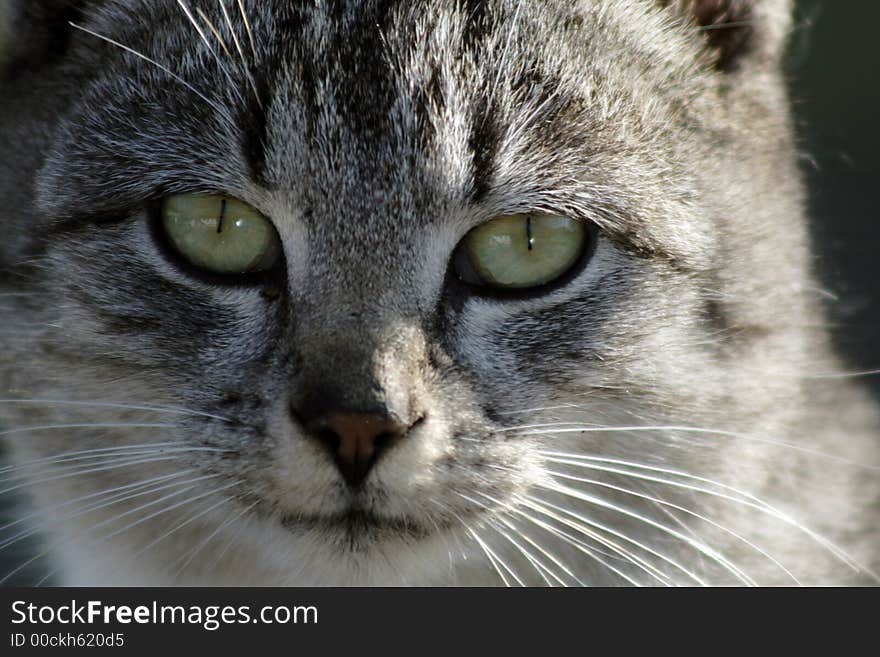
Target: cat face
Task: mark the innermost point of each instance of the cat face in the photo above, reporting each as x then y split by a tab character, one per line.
361	409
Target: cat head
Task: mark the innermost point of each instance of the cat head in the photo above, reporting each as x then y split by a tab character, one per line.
469	239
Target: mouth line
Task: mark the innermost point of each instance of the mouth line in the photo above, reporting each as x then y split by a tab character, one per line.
356	523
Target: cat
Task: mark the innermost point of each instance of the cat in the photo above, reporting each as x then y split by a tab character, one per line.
429	292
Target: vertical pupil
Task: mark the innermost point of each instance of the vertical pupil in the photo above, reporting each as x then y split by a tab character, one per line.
531	240
222	215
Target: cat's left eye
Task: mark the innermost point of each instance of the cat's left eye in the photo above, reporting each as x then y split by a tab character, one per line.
521	251
220	234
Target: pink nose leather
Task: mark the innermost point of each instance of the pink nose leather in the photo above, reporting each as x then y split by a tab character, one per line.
357	439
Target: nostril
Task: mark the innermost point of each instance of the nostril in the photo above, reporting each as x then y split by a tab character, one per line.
386	439
330	438
381	441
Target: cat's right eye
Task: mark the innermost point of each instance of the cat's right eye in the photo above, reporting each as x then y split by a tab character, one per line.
220	234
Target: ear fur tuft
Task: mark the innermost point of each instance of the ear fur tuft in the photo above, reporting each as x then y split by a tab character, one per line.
736	29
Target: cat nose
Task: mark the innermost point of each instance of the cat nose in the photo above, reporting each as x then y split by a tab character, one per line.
356	440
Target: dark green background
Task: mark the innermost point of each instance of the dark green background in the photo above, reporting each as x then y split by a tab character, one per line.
834	73
833	68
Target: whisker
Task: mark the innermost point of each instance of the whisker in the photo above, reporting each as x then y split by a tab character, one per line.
843	375
244	65
223	45
582	526
724	26
100	524
103	452
183	524
539	409
555	560
108	459
191	555
574	426
677	507
110	501
218	558
110	492
247	27
116	405
90	425
490	554
580	545
750	501
697	545
712	432
221	112
539	567
117	466
445	538
171	508
220	64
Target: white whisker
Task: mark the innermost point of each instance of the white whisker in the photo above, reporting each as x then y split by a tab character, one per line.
554	559
539	567
124	464
89	530
582	526
221	65
843	375
490	554
90	425
183	524
711	432
110	501
106	452
244	65
749	501
116	405
163	510
221	112
697	545
191	555
677	507
55	469
106	494
247	27
580	545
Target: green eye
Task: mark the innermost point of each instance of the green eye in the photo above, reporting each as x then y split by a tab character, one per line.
521	250
220	234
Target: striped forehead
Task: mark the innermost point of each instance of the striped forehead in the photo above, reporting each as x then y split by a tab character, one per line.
370	123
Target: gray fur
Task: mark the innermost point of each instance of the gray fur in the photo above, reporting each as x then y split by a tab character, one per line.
375	135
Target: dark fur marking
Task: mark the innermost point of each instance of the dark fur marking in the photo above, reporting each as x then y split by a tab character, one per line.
479	23
484	137
367	88
429	98
715	316
254	124
484	142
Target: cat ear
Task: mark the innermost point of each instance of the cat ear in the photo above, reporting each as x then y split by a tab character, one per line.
35	33
737	31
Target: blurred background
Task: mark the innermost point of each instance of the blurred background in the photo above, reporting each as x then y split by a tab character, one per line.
833	70
836	92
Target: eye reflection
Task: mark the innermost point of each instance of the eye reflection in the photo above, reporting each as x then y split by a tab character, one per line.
220	234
